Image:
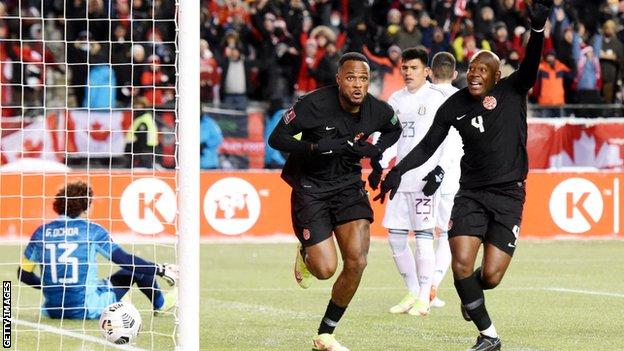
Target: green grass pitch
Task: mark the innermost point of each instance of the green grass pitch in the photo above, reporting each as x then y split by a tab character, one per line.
557	295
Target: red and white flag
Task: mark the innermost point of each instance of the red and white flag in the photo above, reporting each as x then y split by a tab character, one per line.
96	134
34	140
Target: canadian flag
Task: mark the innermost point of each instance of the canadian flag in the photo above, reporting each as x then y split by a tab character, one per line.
96	134
34	140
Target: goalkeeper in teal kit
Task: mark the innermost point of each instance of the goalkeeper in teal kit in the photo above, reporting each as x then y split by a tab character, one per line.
65	250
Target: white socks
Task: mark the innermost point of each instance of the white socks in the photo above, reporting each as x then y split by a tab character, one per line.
404	259
442	259
425	262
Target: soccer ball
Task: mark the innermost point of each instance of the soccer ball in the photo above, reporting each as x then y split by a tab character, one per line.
120	322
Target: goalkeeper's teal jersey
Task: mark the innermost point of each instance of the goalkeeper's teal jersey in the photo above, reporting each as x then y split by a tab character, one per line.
65	250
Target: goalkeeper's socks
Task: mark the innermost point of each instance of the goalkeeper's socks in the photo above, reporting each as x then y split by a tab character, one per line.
472	298
148	286
331	318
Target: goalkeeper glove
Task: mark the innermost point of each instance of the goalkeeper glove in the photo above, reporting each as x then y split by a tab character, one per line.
433	179
539	12
169	272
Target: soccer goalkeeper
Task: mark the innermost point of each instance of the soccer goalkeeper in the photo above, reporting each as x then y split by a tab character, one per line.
65	250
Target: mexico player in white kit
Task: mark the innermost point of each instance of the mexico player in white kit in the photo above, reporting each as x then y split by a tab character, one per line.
442	74
413	207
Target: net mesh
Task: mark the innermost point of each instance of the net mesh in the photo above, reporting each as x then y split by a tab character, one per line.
88	92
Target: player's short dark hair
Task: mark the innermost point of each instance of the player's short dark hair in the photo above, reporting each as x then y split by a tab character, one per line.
416	53
443	65
73	199
352	56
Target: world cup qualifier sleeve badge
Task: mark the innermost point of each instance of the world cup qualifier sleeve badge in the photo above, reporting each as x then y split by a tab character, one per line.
489	102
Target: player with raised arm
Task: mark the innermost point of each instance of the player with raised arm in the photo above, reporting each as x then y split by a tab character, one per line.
65	250
412	208
442	75
490	115
324	171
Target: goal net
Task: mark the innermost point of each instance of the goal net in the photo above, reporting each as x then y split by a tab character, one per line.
89	92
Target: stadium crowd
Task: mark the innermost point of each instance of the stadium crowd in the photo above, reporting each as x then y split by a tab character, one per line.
276	50
103	54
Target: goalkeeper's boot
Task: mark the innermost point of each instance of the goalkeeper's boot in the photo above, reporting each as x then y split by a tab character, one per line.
420	308
486	343
302	274
171	300
405	305
465	313
327	342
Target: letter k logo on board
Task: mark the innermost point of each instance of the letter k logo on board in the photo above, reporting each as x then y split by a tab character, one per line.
576	205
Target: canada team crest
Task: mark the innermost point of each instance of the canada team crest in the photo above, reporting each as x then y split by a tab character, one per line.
489	102
306	234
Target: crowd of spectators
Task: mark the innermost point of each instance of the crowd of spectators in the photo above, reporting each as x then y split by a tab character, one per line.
275	50
109	52
99	54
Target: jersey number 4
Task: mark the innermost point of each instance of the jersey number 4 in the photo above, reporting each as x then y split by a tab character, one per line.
477	122
66	259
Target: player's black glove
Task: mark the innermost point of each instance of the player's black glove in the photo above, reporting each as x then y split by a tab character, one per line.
363	148
433	179
375	176
539	12
332	146
390	184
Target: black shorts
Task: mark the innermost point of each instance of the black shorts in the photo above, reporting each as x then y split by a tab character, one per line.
493	213
314	215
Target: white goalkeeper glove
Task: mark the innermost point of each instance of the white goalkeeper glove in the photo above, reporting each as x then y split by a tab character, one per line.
169	272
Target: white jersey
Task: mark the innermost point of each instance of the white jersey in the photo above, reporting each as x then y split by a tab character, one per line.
415	112
451	151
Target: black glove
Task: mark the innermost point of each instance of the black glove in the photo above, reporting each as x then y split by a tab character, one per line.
390	184
375	176
363	148
539	12
332	146
433	179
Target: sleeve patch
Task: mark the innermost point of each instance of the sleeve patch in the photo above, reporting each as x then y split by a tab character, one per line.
289	115
394	119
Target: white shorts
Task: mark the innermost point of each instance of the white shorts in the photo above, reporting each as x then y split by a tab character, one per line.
442	212
410	211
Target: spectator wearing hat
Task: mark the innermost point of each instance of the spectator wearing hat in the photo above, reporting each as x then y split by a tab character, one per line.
501	43
325	71
391	68
549	84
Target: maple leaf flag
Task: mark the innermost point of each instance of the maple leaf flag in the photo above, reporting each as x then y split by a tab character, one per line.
36	139
96	134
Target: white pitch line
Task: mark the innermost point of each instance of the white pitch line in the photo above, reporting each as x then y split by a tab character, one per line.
89	338
586	292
